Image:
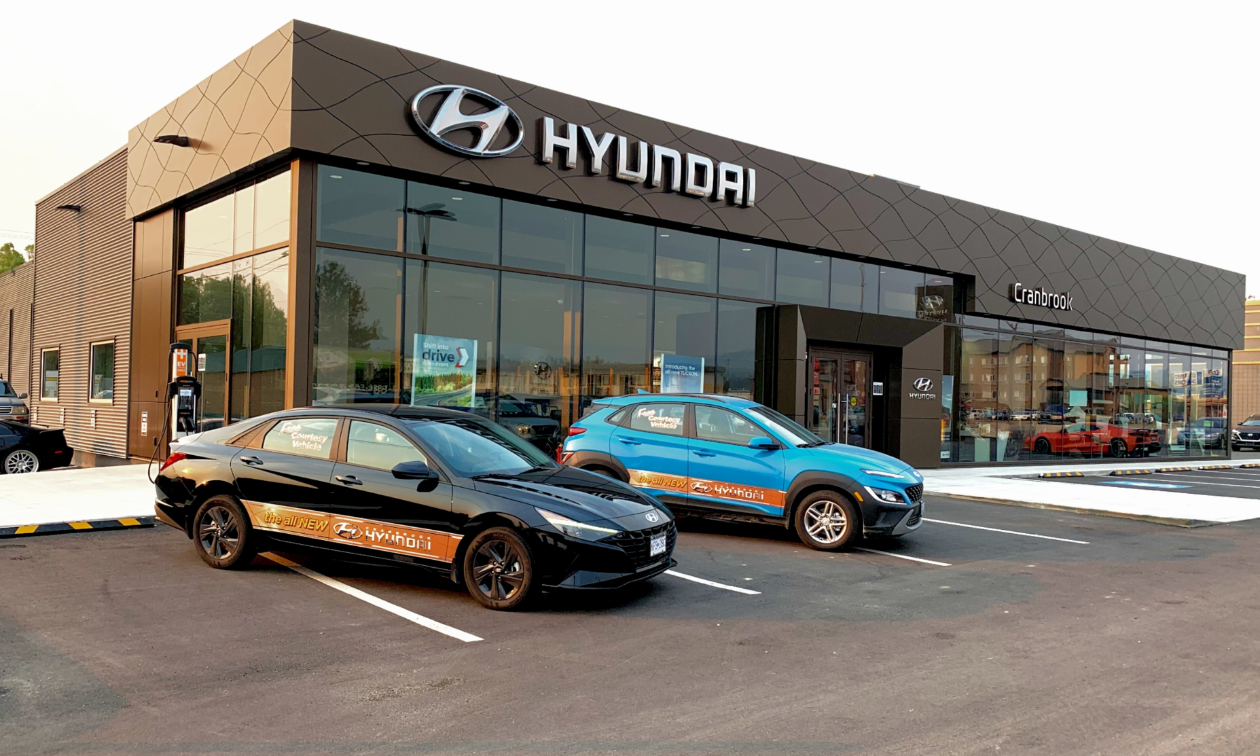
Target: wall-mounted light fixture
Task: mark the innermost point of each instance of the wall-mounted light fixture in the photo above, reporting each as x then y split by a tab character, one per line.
75	208
173	139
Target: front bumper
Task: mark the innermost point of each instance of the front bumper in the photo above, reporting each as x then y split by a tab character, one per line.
572	563
896	521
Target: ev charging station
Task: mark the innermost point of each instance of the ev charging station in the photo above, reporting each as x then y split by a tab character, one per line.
184	391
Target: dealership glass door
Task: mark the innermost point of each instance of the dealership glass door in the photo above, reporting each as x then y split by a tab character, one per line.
840	391
210	350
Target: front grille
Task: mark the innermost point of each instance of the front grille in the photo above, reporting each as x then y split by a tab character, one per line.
914	518
915	492
1251	435
6	410
636	544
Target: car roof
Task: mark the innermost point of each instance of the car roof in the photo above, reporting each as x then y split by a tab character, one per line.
401	411
622	401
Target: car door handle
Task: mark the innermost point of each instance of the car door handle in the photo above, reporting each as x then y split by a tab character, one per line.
349	480
627	441
253	461
699	453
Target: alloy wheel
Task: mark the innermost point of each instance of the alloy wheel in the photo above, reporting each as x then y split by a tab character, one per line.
825	521
1118	449
21	461
219	533
497	570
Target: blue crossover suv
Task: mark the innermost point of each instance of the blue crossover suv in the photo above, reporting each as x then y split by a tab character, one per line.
730	458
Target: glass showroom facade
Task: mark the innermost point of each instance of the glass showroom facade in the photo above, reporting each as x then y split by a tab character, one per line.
553	308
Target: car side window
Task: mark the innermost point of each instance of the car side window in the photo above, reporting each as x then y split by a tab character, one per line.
372	445
717	424
666	419
303	436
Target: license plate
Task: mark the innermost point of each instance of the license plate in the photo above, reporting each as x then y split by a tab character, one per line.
657	545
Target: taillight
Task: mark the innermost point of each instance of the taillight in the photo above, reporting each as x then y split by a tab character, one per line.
175	457
565	457
576	430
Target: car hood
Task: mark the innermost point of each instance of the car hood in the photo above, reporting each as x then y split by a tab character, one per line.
575	493
1247	428
843	454
11	401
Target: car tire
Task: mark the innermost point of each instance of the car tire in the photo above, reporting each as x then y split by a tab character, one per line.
1236	448
222	534
499	570
1118	448
1041	446
818	515
20	461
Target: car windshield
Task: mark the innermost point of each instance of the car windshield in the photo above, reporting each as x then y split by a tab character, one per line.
473	447
1252	422
6	389
789	430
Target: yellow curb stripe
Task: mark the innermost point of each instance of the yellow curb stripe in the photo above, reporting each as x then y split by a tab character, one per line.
130	522
26	529
80	525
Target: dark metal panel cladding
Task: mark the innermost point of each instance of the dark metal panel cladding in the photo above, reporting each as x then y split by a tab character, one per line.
16	294
83	271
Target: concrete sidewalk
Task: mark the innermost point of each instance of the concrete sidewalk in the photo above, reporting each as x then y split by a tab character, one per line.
99	493
998	484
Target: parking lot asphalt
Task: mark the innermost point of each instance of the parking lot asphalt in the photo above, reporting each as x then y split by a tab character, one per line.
1235	483
992	629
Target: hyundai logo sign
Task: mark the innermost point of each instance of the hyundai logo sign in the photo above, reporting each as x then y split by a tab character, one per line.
923	389
450	117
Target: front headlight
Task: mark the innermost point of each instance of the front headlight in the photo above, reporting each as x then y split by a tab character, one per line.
1235	435
575	529
885	495
883	474
523	430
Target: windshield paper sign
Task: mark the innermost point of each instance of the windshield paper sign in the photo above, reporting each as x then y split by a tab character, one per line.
444	371
681	374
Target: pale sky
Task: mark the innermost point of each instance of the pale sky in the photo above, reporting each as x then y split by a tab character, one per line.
1134	121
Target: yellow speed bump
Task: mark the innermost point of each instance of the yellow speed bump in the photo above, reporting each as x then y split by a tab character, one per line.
1174	469
1062	475
1132	472
1217	467
1250	465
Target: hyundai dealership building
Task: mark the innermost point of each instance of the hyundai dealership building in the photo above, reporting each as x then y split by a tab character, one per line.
328	219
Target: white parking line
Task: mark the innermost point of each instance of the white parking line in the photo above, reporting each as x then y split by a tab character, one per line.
702	581
1010	532
903	556
374	601
1210	476
1202	482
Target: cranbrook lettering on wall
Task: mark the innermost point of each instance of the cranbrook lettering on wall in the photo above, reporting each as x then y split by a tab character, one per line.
1041	297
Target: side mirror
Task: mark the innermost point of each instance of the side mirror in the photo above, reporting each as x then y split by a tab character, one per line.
22	395
761	442
417	470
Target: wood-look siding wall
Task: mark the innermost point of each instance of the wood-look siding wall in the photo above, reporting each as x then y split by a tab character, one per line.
16	293
83	282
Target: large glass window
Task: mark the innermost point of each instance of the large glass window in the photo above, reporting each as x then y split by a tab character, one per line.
360	209
686	325
935	301
978	414
205	295
250	218
898	292
538	369
686	261
736	361
272	211
208	233
746	270
450	338
854	286
803	278
269	323
619	250
616	341
357	312
542	238
50	367
101	388
452	223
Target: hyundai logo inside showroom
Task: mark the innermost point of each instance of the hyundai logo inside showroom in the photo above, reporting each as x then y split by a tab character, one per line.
424	234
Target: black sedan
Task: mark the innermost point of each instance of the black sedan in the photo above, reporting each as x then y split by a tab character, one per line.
427	487
27	449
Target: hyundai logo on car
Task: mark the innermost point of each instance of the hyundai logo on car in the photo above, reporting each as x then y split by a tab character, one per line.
347	530
450	117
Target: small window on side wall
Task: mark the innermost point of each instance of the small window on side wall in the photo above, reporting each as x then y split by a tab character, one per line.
101	387
50	365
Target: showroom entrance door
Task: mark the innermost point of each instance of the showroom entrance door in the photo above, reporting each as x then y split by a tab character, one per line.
211	350
840	396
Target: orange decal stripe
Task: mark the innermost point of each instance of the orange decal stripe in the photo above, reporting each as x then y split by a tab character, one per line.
354	531
713	489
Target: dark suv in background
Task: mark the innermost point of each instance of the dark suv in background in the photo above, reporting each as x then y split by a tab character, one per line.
12	406
1246	435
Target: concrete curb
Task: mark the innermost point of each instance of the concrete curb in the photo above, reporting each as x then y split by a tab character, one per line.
50	528
1173	521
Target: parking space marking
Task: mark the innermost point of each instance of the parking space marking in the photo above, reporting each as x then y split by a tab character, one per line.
374	601
723	586
1010	532
1208	477
903	556
1202	482
1140	484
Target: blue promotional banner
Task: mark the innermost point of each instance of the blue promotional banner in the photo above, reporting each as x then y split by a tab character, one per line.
681	374
444	371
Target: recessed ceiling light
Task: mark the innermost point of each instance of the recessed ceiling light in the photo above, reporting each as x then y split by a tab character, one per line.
551	200
463	183
746	249
664	236
695	227
457	199
334	176
627	214
360	162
